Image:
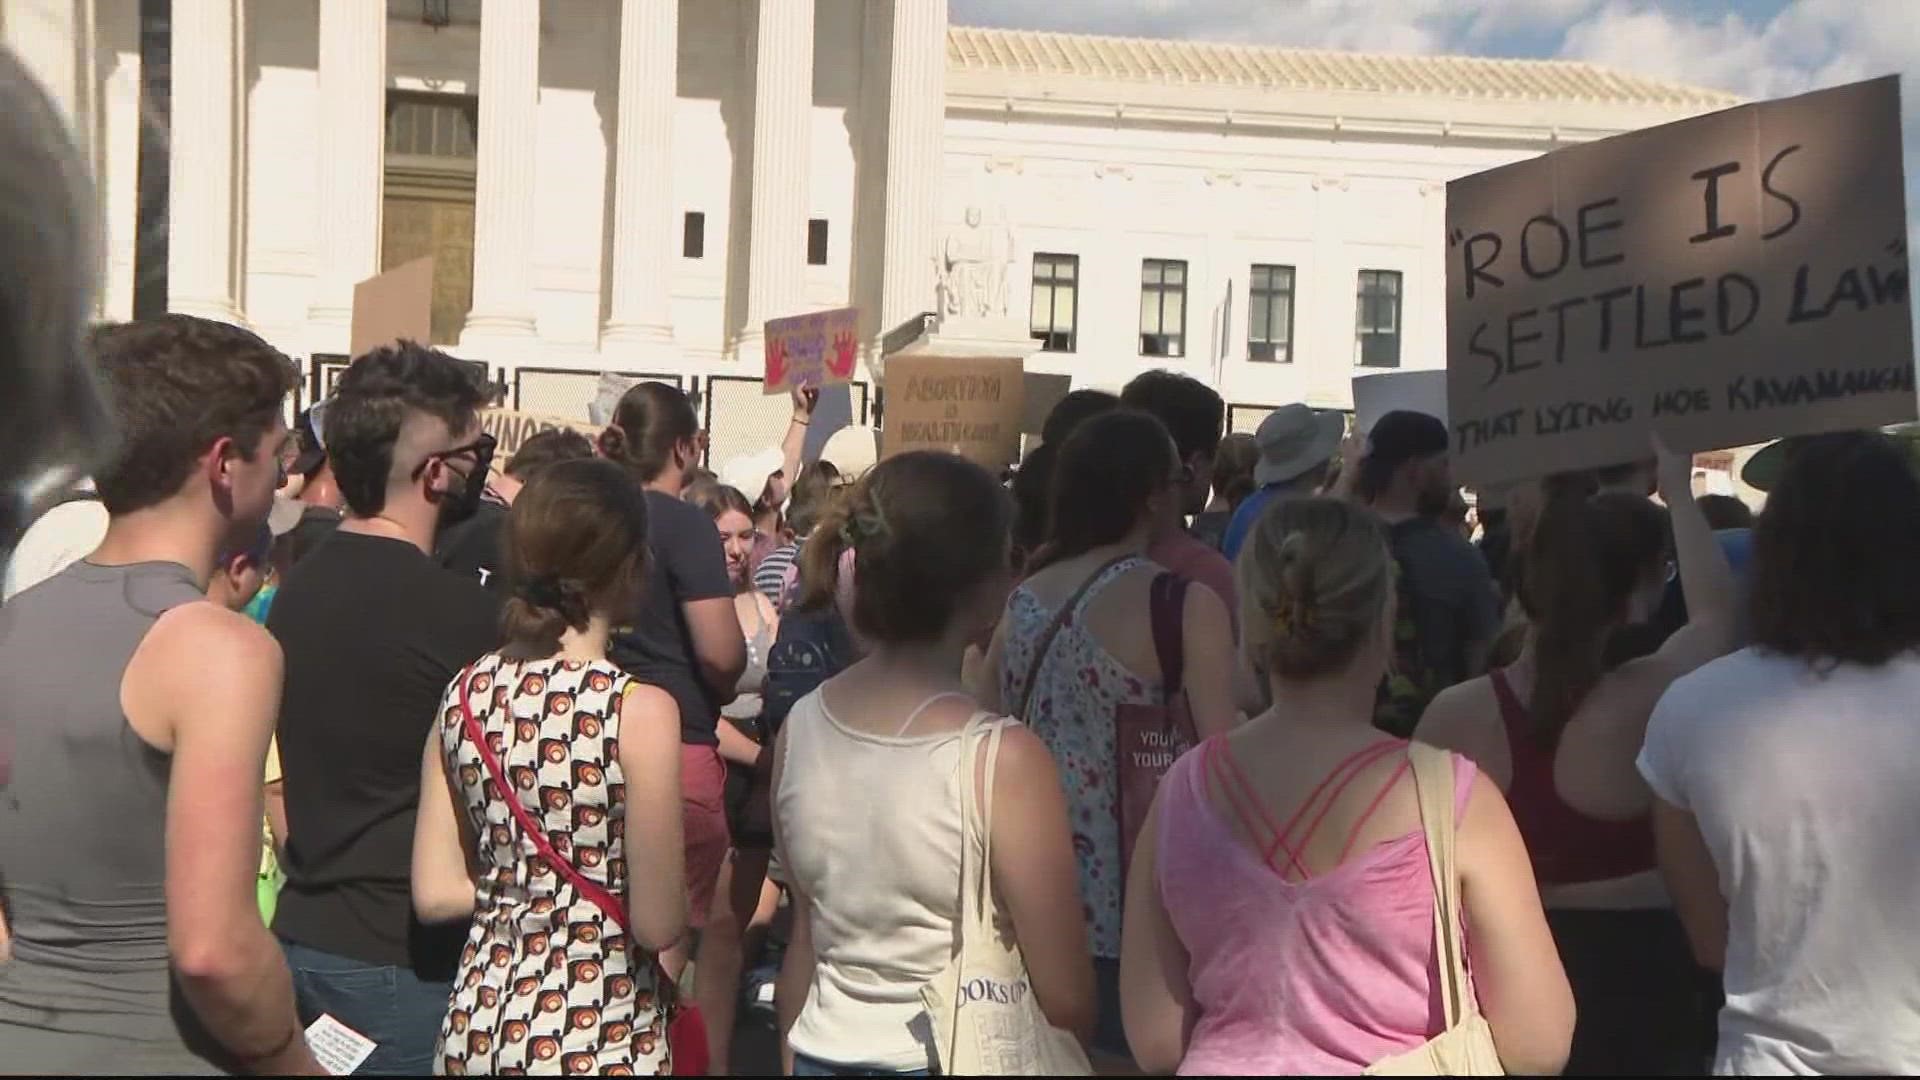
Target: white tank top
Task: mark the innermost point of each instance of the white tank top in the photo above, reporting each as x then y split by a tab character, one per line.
871	832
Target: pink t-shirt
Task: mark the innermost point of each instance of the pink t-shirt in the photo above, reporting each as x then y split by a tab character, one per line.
1195	561
1297	978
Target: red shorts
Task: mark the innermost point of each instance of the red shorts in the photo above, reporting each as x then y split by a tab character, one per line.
703	805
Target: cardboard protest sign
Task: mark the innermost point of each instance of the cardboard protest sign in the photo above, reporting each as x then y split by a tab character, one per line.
970	406
394	306
1722	280
815	349
1374	396
512	429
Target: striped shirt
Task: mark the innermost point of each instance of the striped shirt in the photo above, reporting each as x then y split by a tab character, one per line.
771	576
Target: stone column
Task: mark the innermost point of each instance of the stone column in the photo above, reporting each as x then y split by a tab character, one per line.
201	208
504	187
782	144
916	118
353	92
643	203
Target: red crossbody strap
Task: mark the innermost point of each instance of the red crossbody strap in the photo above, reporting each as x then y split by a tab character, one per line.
595	894
1167	613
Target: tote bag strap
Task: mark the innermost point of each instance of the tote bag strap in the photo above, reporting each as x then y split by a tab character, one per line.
1434	782
976	873
982	735
1052	633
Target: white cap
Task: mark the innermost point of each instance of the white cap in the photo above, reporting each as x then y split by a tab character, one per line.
749	472
852	450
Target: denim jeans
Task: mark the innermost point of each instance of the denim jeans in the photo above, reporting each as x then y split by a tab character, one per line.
390	1005
806	1066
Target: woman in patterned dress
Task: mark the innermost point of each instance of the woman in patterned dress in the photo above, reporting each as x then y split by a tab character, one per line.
1115	485
550	981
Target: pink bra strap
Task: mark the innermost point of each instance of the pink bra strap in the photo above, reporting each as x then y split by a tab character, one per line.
1372	806
1238	790
1345	772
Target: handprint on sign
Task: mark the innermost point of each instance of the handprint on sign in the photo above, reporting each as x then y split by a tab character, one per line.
844	348
776	363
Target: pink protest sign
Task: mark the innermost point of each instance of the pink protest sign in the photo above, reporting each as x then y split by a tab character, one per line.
816	349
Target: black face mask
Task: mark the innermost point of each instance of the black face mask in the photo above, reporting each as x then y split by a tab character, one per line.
459	505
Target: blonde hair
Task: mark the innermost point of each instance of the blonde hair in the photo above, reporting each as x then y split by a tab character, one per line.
1314	579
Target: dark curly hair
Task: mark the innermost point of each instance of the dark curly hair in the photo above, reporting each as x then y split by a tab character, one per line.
176	385
372	401
1833	578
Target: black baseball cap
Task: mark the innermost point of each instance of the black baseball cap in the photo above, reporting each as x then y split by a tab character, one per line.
1402	436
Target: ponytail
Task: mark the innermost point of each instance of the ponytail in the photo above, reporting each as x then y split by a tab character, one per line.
820	555
542	609
1586	555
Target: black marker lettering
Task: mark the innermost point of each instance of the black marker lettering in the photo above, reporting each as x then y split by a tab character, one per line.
1725	307
1766	185
1560	326
1495	363
1588	229
1478	271
1605	300
1516	339
1526	247
1714	229
1679	315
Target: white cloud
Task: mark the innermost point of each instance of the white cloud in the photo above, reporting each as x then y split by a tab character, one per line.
1807	44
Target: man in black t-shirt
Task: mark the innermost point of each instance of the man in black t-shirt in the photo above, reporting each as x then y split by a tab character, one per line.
373	632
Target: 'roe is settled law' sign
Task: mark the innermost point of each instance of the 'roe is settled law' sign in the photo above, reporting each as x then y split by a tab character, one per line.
1722	280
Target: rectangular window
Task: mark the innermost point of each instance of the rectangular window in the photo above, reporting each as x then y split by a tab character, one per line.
1377	322
1163	308
1270	314
817	242
1056	294
693	235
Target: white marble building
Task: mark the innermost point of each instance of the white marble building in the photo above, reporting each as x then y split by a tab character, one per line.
635	185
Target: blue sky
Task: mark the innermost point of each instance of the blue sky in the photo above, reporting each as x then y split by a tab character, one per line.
1756	48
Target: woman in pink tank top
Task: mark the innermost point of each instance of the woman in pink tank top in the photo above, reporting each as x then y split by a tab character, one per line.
1279	915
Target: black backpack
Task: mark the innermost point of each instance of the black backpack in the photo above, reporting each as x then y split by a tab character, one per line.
811	647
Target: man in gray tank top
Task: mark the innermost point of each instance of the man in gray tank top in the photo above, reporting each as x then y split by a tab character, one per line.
130	830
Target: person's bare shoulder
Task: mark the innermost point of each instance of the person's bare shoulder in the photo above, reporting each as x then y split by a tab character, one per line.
205	635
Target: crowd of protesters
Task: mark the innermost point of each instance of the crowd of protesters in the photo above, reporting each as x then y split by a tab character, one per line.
1179	752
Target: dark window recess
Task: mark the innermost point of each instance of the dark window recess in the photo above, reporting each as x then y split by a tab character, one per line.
817	242
693	235
1270	314
152	163
1377	319
1055	306
1163	308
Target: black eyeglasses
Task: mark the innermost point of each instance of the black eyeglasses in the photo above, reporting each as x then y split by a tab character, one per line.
481	448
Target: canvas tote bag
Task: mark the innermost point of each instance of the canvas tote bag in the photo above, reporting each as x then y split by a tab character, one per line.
1466	1047
984	1016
